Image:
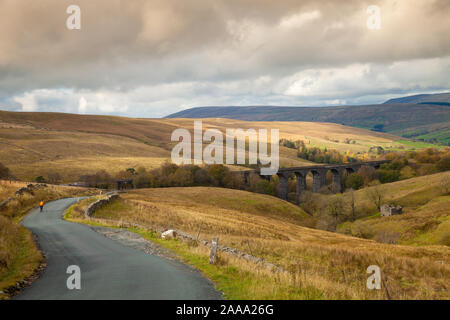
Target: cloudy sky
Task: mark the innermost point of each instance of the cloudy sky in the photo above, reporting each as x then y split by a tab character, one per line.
150	58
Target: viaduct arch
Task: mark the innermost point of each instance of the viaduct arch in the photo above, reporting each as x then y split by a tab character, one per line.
319	173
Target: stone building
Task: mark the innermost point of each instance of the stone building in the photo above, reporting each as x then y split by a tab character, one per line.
388	210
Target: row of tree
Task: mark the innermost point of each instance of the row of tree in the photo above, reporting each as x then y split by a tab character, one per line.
317	155
172	175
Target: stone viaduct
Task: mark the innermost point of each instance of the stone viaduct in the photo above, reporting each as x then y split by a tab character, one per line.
319	173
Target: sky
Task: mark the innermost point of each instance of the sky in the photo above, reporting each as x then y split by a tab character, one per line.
150	58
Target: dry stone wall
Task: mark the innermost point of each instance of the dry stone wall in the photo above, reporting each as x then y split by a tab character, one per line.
99	203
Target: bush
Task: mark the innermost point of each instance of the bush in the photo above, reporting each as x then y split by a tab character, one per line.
368	174
4	172
443	164
218	172
182	177
101	179
354	181
40	179
361	230
388	175
144	179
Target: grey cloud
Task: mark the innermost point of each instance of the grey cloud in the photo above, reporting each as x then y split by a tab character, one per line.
215	51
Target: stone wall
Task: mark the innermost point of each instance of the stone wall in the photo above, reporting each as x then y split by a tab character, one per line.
21	191
30	189
99	203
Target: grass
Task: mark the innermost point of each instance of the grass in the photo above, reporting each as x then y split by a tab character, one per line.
19	256
418	144
319	264
425	211
74	145
246	282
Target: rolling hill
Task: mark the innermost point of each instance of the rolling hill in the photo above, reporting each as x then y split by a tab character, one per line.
34	144
415	116
426	215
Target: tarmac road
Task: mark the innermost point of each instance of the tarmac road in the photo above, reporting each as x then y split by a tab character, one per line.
109	270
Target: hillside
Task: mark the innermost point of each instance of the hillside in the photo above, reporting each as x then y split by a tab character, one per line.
34	144
321	264
399	116
426	214
439	98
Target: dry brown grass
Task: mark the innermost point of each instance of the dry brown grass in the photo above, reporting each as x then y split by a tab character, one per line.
426	214
74	145
330	264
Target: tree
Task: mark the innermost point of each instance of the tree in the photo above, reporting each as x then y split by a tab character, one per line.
144	179
354	181
352	205
218	172
335	208
182	177
4	172
259	185
388	175
40	179
368	174
375	195
201	177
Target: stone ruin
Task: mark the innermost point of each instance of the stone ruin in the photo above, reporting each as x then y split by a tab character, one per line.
390	210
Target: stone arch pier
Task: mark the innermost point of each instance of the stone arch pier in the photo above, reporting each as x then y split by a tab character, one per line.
319	173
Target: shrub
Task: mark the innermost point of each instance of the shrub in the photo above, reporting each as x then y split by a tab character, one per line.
354	181
388	175
4	172
443	164
361	230
40	179
368	174
218	172
182	177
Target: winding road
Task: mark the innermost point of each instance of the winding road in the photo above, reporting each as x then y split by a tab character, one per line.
109	269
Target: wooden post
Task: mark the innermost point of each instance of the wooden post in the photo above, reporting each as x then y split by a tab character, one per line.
388	296
213	254
198	233
248	243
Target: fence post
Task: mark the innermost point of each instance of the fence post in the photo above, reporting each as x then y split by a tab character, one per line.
213	254
198	233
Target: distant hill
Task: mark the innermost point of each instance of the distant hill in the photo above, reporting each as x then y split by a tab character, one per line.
422	117
439	98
